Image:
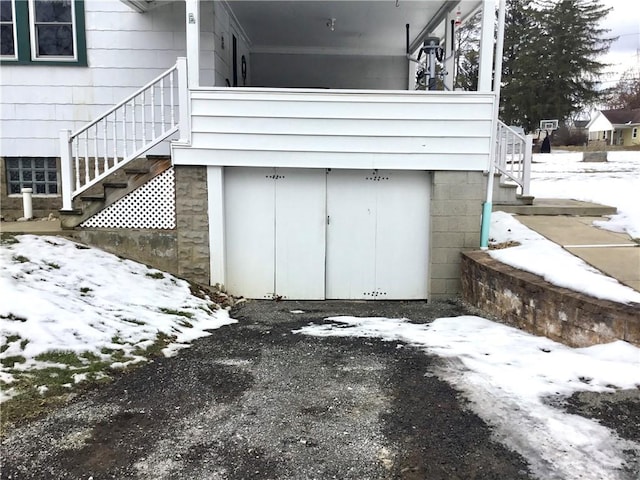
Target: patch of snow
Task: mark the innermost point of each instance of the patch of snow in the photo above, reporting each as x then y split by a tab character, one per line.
542	257
614	183
61	296
509	375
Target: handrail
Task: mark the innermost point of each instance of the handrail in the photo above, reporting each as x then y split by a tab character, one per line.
126	100
513	157
126	131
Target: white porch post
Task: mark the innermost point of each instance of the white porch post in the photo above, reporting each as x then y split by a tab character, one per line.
217	247
183	101
193	42
486	45
66	170
449	49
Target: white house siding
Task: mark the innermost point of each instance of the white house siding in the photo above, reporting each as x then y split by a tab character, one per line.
346	129
125	50
599	124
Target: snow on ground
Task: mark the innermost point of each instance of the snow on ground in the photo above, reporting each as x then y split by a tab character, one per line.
564	175
507	374
542	257
61	296
615	183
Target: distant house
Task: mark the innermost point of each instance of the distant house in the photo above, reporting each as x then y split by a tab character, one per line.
615	127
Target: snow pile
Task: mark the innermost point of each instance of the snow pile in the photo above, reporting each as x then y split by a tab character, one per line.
59	296
507	374
614	183
540	256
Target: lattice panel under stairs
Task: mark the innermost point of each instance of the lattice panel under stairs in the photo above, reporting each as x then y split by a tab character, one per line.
152	205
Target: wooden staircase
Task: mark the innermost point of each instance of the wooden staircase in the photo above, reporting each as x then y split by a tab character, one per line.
113	187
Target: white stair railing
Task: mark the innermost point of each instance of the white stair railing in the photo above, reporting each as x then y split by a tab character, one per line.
513	157
126	131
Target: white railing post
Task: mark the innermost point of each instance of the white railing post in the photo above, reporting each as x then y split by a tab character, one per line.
66	170
183	101
526	165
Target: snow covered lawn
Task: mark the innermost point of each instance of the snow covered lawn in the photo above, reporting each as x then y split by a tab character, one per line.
71	313
615	183
535	254
509	376
564	175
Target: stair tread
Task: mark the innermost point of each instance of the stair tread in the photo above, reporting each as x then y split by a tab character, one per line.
115	184
132	171
92	197
75	211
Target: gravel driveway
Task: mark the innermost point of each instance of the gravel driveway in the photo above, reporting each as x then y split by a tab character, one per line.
255	401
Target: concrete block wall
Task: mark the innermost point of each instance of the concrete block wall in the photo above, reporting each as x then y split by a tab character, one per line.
192	222
456	209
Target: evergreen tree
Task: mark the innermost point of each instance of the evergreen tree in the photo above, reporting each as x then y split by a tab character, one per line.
551	66
520	67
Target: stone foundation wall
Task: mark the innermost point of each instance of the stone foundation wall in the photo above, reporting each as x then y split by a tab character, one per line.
456	210
156	248
192	222
530	303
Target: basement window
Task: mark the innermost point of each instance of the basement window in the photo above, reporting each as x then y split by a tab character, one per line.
39	174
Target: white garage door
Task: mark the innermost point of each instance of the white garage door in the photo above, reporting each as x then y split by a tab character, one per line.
378	234
275	232
314	234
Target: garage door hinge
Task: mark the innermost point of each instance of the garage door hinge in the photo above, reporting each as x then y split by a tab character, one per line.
328	220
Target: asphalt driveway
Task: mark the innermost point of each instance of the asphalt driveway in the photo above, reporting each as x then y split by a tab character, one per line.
255	401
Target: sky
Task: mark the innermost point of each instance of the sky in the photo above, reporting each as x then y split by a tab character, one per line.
624	22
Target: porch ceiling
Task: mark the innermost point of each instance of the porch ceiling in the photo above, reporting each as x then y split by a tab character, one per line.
361	27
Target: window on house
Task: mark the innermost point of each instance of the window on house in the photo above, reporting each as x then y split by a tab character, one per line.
36	31
634	132
7	29
39	174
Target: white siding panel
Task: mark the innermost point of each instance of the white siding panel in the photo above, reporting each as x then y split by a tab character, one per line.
342	109
257	158
333	143
345	129
339	126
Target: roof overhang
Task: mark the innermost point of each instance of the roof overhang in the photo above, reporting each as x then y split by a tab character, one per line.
625	125
141	6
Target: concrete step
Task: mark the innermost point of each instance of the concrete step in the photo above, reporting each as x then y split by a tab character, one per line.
557	206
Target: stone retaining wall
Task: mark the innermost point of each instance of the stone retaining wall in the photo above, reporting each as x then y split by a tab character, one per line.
156	248
530	303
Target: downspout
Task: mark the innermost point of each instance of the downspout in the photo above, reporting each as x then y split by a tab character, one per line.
497	79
